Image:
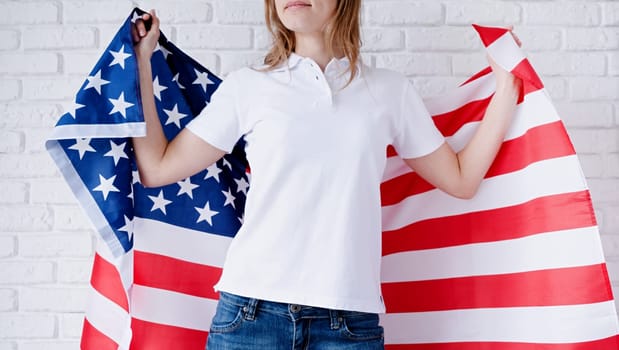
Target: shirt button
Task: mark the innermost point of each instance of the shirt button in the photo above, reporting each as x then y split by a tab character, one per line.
295	308
317	78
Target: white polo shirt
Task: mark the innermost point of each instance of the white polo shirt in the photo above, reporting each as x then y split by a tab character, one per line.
312	228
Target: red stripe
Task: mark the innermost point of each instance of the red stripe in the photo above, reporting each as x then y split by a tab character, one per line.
450	122
546	214
478	75
488	35
106	280
155	336
539	143
175	275
92	339
563	286
611	343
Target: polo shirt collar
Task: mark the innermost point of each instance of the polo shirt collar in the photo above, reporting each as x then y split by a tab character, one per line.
294	60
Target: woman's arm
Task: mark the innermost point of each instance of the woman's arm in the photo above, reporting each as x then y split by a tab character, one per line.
460	174
159	162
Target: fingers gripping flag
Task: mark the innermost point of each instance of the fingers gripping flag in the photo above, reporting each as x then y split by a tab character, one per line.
519	266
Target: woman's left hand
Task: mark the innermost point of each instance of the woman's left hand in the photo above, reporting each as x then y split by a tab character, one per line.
505	78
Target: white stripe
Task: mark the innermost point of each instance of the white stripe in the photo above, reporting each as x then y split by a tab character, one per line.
549	324
123	263
534	111
73	131
181	243
559	249
544	178
478	89
109	318
171	308
506	52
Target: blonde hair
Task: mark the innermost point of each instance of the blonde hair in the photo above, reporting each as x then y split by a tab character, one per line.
342	33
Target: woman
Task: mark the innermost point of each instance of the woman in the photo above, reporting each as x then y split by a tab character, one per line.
303	271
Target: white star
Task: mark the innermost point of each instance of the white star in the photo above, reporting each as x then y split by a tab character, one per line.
175	79
73	107
225	162
135	176
158	88
135	17
128	227
213	171
95	81
159	202
117	152
206	214
229	198
174	116
186	187
106	186
119	57
242	184
82	146
163	50
120	105
202	79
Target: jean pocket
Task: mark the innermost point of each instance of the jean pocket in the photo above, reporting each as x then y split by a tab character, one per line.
228	317
362	326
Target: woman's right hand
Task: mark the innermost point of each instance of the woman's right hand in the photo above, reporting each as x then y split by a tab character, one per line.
145	41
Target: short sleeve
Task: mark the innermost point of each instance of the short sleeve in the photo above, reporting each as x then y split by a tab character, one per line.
417	134
219	122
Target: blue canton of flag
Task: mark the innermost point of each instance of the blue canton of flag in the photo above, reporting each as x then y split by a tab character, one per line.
91	145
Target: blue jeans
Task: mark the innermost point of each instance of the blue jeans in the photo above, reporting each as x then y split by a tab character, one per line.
244	323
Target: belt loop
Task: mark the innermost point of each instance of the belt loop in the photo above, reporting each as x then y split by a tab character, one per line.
336	319
250	309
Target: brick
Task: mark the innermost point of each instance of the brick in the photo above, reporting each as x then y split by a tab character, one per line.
27	326
60	88
569	13
610	13
592	165
25	218
539	38
56	245
613	66
612	166
28	63
436	86
234	61
262	39
569	64
611	225
72	299
591	39
586	114
19	12
25	115
10	89
59	37
35	140
8	300
70	218
205	58
71	325
75	271
53	191
9	39
403	13
13	192
96	12
26	165
11	141
416	64
468	64
483	12
442	39
79	63
199	11
7	246
50	345
26	272
590	88
239	12
595	140
6	345
557	87
383	39
204	37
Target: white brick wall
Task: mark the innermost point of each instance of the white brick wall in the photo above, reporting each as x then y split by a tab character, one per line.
48	46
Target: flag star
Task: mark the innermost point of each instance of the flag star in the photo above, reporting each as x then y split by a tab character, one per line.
128	227
159	202
95	82
135	17
73	107
120	105
82	146
242	184
163	50
117	152
135	176
229	198
177	81
213	171
119	57
174	116
106	186
157	88
225	162
202	79
186	187
206	214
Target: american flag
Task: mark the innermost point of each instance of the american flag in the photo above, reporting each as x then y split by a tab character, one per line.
518	267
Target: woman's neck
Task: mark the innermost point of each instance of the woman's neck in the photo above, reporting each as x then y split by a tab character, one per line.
313	46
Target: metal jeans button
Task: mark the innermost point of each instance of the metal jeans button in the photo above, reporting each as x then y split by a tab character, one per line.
295	308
